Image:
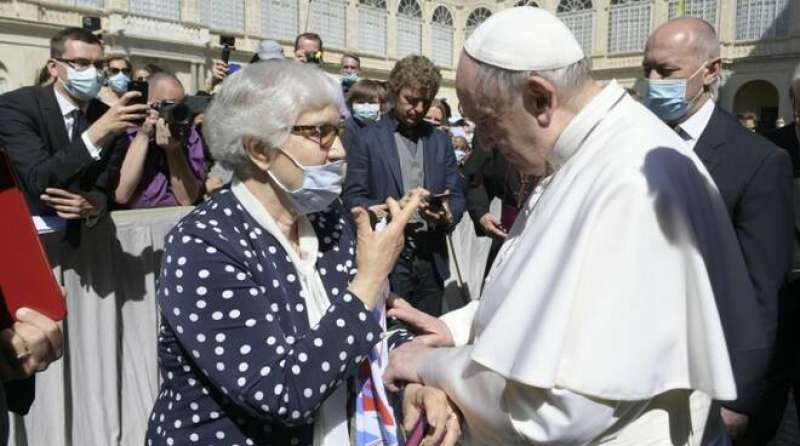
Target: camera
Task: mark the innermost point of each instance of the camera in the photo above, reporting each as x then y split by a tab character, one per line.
91	24
177	115
228	43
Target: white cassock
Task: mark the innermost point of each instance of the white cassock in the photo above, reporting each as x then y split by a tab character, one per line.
598	322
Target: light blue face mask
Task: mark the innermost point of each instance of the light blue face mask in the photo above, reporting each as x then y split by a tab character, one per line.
367	111
119	83
349	79
667	97
321	186
83	85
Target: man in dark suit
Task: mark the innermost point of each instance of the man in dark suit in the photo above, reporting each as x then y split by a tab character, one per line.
60	138
785	368
682	64
402	152
489	175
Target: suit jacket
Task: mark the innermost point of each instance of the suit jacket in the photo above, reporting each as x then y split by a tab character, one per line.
786	138
373	174
33	132
754	178
488	175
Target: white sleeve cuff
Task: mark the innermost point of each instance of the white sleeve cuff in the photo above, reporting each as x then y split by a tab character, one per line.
460	323
94	151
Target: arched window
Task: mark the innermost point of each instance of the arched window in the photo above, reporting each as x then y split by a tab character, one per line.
227	15
526	3
279	19
162	9
475	18
579	18
328	19
704	9
442	36
409	28
758	19
372	26
628	25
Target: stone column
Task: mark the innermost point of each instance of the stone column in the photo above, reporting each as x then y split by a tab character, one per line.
351	26
190	11
600	29
252	19
391	31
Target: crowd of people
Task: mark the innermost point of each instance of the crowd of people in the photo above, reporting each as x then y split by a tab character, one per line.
642	285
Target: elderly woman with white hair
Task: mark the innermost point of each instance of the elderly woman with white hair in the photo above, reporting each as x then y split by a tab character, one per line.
267	313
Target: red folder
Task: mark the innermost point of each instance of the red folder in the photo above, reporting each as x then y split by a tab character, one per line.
26	279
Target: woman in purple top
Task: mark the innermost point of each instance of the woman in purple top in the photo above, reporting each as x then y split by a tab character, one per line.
160	169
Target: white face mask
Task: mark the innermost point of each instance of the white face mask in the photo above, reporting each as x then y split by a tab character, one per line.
367	111
83	85
321	186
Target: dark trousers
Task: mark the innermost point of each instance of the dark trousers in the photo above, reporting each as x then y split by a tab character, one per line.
784	373
414	278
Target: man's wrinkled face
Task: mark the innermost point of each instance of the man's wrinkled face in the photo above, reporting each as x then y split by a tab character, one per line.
166	90
411	105
509	130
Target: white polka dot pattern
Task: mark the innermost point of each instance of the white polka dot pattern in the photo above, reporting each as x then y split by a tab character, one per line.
256	372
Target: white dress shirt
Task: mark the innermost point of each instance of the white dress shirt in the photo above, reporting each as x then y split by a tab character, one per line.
68	110
691	129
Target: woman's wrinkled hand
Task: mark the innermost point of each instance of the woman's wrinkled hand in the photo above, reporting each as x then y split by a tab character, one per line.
377	251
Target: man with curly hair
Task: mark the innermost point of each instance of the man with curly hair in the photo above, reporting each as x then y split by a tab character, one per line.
402	152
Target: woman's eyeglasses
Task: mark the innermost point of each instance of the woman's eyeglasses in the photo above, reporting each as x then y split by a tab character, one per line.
114	71
324	135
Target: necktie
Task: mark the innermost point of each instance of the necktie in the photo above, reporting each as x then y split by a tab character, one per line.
78	124
682	133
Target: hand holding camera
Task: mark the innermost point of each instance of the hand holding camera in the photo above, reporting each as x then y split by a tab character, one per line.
164	138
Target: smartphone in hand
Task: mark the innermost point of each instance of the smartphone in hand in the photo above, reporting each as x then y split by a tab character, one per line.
142	87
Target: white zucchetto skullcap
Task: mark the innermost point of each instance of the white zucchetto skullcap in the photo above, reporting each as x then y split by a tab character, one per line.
524	38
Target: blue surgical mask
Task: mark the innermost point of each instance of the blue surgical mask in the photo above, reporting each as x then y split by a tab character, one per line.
321	186
667	97
349	79
367	111
119	83
83	85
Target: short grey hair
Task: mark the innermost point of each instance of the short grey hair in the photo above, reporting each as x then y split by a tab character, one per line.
498	86
263	101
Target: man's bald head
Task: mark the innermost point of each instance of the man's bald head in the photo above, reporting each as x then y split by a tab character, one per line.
685	49
688	34
165	86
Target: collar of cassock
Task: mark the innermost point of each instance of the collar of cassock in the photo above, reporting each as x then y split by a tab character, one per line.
576	132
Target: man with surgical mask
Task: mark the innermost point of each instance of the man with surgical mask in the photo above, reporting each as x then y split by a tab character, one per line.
350	71
682	67
118	74
60	139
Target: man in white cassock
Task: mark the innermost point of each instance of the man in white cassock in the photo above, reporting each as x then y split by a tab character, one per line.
598	321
